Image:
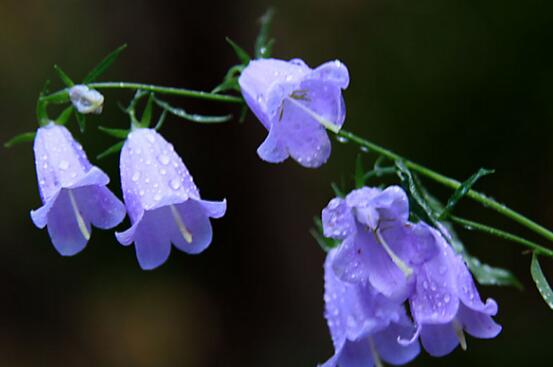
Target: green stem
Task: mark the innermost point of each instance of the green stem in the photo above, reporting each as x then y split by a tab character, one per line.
152	88
502	234
454	184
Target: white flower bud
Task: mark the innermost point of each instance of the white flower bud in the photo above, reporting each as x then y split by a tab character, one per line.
86	100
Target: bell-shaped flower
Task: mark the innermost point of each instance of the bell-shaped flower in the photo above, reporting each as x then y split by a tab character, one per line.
163	202
73	191
365	326
379	245
446	302
295	104
86	100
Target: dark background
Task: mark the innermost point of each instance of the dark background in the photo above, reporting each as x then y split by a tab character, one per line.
455	85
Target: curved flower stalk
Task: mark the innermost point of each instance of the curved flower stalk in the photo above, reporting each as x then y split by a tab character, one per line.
404	261
295	104
365	326
162	200
73	191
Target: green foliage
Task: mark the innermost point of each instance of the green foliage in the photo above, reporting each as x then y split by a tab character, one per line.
63	76
81	120
338	191
146	119
240	53
541	283
116	133
111	150
462	191
21	138
359	175
103	65
65	115
204	119
264	44
326	243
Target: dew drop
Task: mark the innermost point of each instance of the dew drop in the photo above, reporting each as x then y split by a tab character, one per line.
136	176
342	140
164	159
157	197
175	184
63	165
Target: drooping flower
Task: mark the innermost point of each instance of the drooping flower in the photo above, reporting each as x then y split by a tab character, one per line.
446	302
73	191
379	244
295	104
86	100
365	326
163	202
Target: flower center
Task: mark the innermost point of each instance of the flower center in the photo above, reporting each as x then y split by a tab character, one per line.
295	98
80	221
182	228
460	334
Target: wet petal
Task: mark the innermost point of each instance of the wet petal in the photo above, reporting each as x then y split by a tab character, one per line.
389	348
152	238
196	222
273	149
332	71
337	219
100	206
356	354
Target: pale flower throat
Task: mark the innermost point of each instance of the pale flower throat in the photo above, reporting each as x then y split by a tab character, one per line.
80	221
182	228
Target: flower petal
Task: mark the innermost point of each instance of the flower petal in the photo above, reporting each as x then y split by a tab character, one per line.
439	340
332	71
389	348
214	209
478	324
63	226
467	290
152	240
100	206
196	222
273	149
356	354
338	221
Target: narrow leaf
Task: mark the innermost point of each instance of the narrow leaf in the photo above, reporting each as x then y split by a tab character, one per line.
337	191
65	115
541	282
116	133
240	53
243	114
63	76
161	120
204	119
111	150
231	84
81	120
21	138
462	190
146	119
359	175
103	65
263	44
325	243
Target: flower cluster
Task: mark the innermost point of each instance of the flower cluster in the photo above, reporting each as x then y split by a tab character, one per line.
163	203
384	264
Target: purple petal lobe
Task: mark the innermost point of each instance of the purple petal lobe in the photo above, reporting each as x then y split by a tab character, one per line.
100	206
478	324
439	340
337	218
152	239
389	348
334	72
63	227
273	149
196	222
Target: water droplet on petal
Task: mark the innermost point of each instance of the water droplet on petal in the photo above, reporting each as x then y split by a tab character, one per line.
63	165
175	184
136	176
164	159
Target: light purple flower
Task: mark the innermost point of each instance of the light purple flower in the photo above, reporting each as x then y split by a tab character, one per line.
73	191
365	326
379	244
295	104
163	202
446	302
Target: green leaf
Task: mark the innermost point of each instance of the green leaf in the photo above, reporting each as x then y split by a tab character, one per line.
231	84
146	119
81	120
243	113
359	175
111	150
103	65
64	115
263	45
192	117
161	120
63	76
541	282
116	133
462	190
326	244
337	191
21	138
240	53
41	113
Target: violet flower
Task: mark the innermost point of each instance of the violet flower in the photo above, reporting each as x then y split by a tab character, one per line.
365	326
295	104
73	191
163	202
379	244
446	302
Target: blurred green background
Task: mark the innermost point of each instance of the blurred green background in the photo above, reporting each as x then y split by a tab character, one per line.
455	85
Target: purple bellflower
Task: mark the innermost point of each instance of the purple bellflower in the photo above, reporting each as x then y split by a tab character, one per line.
73	191
295	104
365	326
379	245
446	302
163	202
